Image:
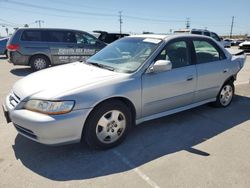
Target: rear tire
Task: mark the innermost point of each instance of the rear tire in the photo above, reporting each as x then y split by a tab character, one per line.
39	62
6	53
107	125
225	95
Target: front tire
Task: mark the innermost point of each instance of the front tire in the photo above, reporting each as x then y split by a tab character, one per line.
107	125
225	96
39	62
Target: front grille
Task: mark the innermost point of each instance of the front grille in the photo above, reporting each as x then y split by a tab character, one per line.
14	99
25	131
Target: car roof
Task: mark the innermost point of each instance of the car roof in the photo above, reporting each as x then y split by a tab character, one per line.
172	36
61	29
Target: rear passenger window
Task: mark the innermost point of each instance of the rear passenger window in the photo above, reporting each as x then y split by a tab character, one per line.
177	53
61	36
206	52
31	35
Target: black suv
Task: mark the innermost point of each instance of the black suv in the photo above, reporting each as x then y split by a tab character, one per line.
110	37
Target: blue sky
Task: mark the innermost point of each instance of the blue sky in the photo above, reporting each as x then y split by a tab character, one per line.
156	16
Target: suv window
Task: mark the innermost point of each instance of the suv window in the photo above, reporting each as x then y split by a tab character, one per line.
206	33
83	38
206	52
196	32
60	36
111	37
31	35
215	36
177	53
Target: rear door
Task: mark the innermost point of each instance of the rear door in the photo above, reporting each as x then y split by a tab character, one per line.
171	89
62	44
86	46
211	71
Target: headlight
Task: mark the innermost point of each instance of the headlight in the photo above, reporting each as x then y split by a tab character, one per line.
49	107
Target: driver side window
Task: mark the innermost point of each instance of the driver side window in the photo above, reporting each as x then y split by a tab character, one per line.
83	38
176	53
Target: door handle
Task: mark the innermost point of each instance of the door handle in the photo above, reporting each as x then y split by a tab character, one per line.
225	70
190	78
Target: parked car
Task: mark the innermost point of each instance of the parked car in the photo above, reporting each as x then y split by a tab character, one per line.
40	48
110	37
205	33
3	43
132	80
227	43
245	45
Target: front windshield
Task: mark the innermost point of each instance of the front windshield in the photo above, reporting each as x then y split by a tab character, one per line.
125	55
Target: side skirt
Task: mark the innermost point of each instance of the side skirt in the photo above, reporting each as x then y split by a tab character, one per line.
162	114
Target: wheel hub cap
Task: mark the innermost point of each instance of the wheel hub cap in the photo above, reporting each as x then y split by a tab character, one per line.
226	95
111	126
40	63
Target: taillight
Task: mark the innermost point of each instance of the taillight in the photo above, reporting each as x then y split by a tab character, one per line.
13	47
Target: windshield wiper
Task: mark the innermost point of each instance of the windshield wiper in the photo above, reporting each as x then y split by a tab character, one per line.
102	66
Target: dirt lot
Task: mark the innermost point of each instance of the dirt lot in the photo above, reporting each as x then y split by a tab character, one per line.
202	147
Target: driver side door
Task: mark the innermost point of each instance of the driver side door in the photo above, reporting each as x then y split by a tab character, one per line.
167	90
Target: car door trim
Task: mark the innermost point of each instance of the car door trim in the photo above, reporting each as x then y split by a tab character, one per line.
173	111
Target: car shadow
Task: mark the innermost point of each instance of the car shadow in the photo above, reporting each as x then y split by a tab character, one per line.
21	71
146	142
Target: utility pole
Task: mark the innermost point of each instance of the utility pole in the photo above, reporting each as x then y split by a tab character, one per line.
120	21
188	23
7	31
39	22
232	25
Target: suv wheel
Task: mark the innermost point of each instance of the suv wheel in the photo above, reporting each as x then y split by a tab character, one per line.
39	62
225	96
107	125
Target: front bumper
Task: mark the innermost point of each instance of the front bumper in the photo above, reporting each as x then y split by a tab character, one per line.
46	129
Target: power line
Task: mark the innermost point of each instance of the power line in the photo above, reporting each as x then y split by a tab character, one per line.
80	5
151	19
56	9
80	17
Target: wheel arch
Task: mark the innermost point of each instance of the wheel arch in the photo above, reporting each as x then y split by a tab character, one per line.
122	99
232	78
39	54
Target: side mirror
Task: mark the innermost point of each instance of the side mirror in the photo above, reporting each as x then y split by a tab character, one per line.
160	66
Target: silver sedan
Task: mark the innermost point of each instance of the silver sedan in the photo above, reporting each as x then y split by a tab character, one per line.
132	80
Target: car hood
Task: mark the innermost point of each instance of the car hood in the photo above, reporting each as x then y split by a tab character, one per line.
49	83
